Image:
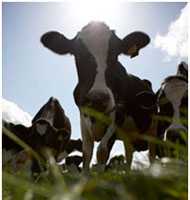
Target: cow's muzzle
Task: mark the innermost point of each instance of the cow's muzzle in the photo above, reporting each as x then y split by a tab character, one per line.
98	100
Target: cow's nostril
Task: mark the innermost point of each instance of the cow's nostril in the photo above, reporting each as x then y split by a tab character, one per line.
96	95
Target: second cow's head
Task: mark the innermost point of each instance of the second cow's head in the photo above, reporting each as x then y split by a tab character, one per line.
96	49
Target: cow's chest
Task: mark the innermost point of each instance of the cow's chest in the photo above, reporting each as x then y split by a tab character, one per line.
93	127
98	130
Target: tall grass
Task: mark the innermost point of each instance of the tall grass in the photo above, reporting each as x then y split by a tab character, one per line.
162	181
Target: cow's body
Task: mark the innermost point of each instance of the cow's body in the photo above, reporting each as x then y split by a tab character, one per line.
71	146
103	82
50	129
173	105
72	163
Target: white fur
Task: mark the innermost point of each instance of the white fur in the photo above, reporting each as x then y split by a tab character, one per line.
175	90
41	128
50	116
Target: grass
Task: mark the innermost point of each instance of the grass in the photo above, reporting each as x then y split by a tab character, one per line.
133	185
162	181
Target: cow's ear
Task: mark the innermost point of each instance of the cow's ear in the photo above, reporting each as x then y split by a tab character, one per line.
133	42
57	42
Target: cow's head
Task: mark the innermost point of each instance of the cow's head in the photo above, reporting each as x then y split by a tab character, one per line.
173	103
183	70
96	49
50	127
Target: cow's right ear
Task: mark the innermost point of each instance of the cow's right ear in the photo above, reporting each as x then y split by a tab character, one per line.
57	42
133	42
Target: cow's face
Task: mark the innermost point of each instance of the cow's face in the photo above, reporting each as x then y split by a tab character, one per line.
96	49
50	127
44	135
173	102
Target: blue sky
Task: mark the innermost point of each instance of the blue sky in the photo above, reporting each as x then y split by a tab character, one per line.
31	73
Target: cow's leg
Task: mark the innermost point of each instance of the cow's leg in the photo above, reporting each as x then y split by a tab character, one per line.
88	145
103	148
152	146
88	142
128	152
110	144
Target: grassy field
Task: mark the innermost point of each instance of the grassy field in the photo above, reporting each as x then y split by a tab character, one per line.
166	182
162	181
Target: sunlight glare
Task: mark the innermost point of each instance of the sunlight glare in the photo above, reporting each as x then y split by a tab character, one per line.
95	10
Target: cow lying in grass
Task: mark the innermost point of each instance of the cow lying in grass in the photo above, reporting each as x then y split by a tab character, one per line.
105	86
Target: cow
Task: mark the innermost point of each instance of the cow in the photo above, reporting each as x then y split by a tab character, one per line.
103	82
71	146
72	163
50	128
172	100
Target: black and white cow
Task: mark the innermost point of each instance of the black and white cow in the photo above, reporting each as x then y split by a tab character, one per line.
71	146
172	107
50	129
103	81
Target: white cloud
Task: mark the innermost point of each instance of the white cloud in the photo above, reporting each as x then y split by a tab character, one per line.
14	114
175	41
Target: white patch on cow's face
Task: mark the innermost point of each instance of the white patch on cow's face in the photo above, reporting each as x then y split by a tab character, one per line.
50	116
41	128
174	91
96	37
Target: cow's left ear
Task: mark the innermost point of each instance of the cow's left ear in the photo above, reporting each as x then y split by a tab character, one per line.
57	42
133	42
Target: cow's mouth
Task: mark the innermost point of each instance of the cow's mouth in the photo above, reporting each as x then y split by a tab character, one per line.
97	100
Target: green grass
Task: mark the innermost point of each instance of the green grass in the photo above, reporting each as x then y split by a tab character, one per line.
133	185
160	182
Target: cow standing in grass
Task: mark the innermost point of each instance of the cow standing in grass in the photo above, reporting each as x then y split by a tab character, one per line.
104	85
173	108
50	129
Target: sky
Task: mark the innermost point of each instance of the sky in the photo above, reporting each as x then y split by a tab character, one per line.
31	74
